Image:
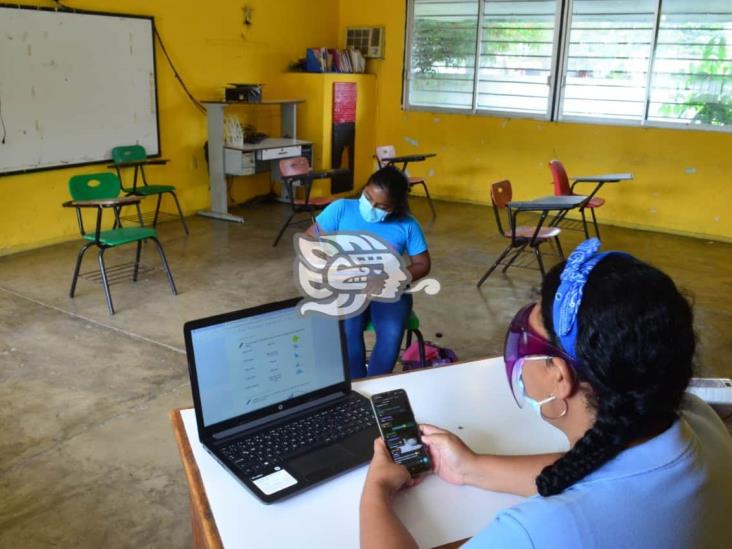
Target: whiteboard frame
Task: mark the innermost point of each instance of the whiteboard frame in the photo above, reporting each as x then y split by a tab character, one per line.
155	75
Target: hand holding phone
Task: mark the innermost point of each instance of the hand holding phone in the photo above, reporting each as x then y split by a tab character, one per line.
400	431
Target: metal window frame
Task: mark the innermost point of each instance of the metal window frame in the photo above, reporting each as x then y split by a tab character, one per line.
558	114
478	46
474	109
407	69
499	113
561	81
557	79
651	62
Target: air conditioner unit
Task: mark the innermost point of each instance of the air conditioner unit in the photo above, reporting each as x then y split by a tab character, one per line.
368	40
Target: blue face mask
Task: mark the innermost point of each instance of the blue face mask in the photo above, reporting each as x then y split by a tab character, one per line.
535	405
368	212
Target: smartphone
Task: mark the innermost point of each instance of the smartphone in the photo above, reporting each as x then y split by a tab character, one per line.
400	431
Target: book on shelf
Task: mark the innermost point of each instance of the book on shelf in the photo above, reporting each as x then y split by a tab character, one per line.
333	60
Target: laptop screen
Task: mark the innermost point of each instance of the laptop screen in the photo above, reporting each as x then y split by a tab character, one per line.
249	363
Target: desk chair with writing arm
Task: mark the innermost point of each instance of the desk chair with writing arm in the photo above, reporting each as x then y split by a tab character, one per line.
388	151
520	236
100	191
135	156
563	188
297	172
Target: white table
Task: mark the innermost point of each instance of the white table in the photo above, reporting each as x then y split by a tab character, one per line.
471	399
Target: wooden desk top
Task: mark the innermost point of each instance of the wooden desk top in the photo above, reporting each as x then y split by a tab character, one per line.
548	203
134	163
409	158
205	533
603	178
102	202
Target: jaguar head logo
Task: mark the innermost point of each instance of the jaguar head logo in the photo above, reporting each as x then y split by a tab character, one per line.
339	274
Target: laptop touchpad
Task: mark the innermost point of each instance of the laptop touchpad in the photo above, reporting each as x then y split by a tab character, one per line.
321	463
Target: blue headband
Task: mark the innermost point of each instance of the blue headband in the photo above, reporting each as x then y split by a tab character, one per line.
569	294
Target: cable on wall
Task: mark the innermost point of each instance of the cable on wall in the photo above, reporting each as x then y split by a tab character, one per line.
2	121
195	101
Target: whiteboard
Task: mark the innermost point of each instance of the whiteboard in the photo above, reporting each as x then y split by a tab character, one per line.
72	86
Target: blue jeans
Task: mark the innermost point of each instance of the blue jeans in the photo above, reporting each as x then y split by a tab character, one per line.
390	322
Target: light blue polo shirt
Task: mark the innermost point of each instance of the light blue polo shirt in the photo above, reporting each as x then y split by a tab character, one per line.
404	234
673	491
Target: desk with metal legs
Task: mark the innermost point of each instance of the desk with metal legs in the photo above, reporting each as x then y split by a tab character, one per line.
268	150
599	181
543	205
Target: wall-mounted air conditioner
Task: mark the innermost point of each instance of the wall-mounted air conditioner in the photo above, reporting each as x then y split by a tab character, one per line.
368	40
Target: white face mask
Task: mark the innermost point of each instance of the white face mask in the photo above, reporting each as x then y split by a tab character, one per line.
535	405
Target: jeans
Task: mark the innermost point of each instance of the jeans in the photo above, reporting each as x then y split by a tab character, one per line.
390	322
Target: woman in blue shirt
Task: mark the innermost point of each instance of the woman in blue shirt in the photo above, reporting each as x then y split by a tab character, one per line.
606	357
382	210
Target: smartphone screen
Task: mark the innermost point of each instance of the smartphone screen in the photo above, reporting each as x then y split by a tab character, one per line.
399	430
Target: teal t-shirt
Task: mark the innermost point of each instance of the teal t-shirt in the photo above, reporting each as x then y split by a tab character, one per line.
403	234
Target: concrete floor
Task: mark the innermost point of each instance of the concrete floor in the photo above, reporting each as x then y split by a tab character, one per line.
87	456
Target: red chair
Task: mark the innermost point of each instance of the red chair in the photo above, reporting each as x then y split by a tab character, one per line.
562	188
520	236
388	151
296	172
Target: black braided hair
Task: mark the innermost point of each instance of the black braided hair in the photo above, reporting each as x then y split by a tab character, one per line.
396	184
635	348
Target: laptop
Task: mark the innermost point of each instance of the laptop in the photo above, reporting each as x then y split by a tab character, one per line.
273	399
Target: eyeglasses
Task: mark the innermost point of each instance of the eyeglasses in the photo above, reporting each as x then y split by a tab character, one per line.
522	344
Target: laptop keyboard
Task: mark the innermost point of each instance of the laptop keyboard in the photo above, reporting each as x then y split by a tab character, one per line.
261	450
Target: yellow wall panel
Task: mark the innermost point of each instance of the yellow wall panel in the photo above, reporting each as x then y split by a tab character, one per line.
210	47
316	119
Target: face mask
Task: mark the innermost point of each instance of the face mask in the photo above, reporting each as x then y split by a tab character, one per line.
535	405
368	212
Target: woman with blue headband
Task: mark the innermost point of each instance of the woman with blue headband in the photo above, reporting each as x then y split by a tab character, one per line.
605	356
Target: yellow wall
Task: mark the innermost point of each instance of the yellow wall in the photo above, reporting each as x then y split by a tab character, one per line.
683	179
210	47
316	119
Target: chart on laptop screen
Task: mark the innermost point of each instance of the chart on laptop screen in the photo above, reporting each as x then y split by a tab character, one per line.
247	364
273	368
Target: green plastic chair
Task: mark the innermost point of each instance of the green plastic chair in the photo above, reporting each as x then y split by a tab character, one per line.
101	191
412	329
134	156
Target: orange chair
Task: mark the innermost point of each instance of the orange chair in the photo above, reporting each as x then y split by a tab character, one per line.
388	151
562	188
296	172
520	236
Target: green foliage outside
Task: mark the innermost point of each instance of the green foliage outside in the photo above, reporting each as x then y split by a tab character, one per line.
452	43
449	43
713	77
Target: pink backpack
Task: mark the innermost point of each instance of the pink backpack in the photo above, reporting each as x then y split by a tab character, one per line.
434	355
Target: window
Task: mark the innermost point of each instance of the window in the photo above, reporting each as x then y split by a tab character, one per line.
656	62
608	58
516	55
443	54
692	72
